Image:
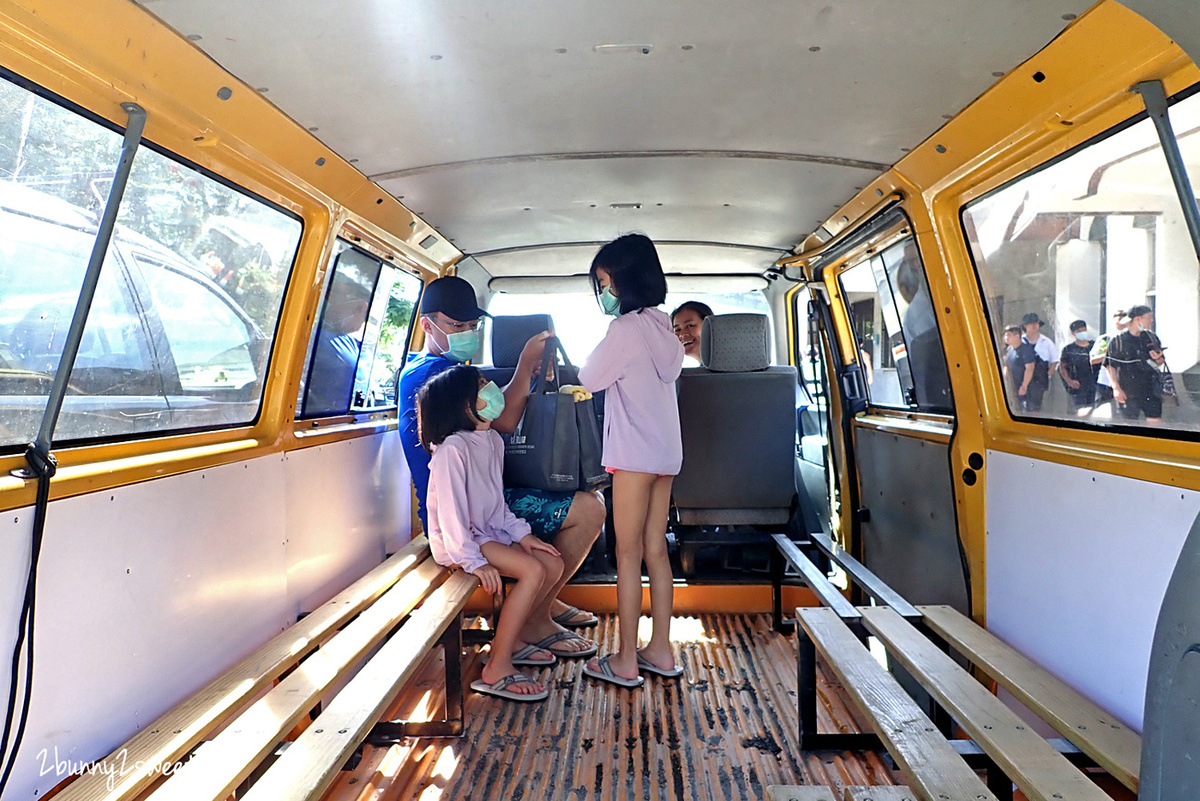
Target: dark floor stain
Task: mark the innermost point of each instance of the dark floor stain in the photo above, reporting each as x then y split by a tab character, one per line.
699	686
766	744
588	744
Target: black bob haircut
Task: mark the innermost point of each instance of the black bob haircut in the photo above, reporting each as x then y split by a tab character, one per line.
702	309
632	265
446	405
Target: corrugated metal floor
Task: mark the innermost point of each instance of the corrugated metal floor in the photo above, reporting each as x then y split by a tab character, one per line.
726	730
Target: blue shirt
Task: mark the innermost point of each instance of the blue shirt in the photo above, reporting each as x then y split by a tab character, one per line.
417	371
332	378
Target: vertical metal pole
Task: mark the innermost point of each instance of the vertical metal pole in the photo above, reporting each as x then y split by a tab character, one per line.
777	591
133	137
452	645
1155	98
806	684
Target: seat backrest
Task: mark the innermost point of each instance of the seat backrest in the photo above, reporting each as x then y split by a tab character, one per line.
1170	766
509	335
737	415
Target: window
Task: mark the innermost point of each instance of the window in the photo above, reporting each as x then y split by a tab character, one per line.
338	344
1064	254
580	324
896	329
362	340
391	315
180	329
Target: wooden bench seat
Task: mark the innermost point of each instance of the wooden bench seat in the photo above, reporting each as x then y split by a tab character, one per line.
312	762
1096	733
1030	762
817	581
173	735
932	767
220	765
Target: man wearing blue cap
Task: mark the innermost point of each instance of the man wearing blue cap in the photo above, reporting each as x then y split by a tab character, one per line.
570	521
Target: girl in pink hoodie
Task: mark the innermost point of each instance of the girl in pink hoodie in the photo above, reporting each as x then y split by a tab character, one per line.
637	364
470	526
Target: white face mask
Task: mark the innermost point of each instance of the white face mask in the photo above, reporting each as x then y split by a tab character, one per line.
1086	336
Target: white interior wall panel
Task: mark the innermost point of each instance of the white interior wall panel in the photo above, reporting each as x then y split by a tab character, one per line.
147	592
1082	599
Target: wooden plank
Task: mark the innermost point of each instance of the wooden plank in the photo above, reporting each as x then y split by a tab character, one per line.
1096	733
314	760
874	586
221	763
930	764
882	793
1038	769
808	792
829	595
175	733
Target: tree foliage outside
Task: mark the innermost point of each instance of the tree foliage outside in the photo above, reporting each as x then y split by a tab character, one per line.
243	244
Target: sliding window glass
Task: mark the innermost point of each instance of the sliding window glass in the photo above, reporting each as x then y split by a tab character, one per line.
1090	281
896	330
181	327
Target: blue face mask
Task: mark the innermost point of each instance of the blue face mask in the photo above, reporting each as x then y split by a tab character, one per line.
494	399
610	302
460	346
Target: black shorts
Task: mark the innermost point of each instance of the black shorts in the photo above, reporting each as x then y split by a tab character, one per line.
1135	406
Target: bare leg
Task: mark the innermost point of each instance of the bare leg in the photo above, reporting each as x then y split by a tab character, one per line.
631	502
573	541
658	568
531	575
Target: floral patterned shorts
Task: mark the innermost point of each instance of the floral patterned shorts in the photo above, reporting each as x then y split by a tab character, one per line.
544	511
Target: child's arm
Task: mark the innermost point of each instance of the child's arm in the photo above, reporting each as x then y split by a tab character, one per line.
607	362
449	512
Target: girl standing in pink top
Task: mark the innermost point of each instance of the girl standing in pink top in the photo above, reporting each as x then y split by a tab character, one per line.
637	364
471	527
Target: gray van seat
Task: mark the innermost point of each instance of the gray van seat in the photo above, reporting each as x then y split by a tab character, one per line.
509	335
738	419
1170	769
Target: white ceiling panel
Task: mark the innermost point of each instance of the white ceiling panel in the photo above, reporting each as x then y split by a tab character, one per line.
763	201
474	110
675	258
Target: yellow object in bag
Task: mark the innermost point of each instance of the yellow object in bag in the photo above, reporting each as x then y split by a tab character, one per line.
579	392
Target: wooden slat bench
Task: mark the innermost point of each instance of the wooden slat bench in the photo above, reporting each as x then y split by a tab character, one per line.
320	651
313	761
929	762
1035	766
1096	733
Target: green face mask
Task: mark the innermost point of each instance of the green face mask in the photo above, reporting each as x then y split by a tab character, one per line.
460	346
610	302
494	399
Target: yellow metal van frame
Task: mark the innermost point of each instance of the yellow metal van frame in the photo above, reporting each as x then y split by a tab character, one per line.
102	53
1011	129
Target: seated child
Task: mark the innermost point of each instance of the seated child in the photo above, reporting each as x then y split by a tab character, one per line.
471	527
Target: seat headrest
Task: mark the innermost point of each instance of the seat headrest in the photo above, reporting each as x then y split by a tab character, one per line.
735	343
511	332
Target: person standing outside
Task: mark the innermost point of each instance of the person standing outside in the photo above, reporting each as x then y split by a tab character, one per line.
637	363
570	521
1046	351
1104	391
1020	362
1134	359
1076	368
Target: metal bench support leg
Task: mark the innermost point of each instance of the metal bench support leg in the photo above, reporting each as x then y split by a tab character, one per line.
390	732
806	687
777	568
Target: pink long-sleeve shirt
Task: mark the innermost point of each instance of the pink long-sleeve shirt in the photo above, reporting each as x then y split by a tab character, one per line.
637	363
466	500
